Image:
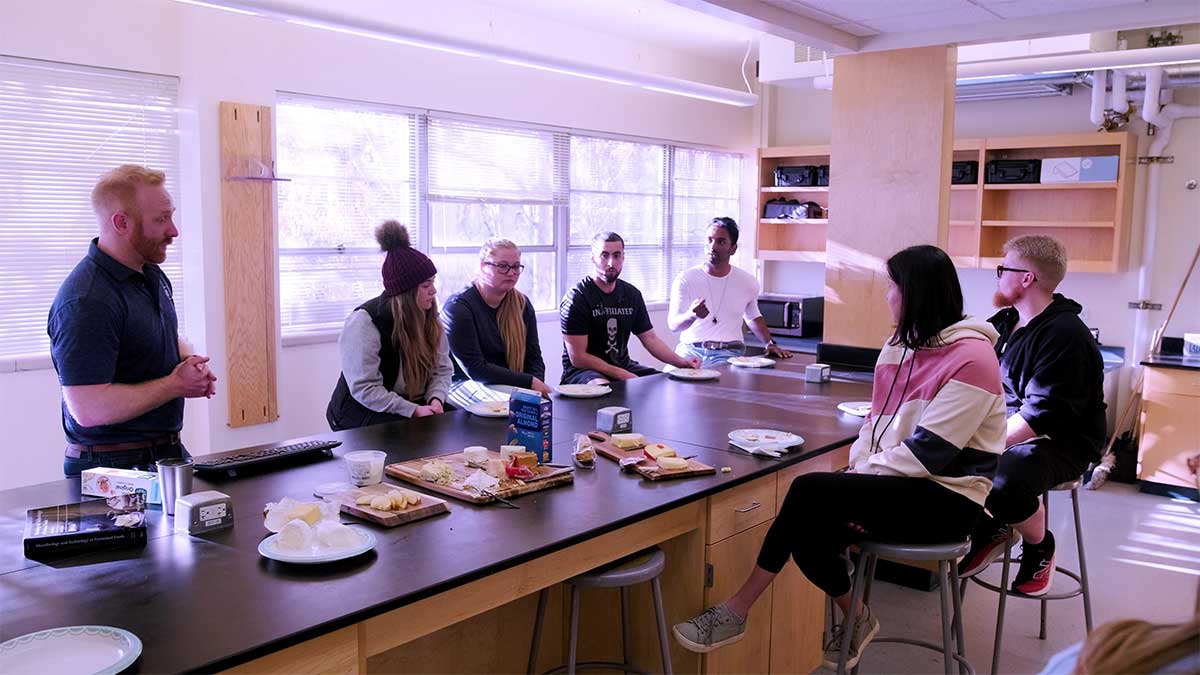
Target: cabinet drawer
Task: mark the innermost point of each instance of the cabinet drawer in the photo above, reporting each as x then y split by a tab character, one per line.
1172	381
741	508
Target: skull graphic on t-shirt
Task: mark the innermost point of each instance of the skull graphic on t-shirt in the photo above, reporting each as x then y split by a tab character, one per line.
612	350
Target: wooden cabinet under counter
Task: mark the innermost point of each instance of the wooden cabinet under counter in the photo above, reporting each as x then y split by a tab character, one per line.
1170	426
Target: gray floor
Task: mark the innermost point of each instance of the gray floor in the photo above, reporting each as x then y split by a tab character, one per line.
1143	555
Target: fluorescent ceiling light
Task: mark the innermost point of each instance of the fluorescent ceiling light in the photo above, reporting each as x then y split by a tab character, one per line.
1123	66
319	20
213	5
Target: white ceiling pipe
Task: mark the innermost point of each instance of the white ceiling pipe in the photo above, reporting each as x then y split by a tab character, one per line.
1126	58
1150	98
1099	84
1120	102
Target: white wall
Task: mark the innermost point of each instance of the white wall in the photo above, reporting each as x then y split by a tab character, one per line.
224	57
801	116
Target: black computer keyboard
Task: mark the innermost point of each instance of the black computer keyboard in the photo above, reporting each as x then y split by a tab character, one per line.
230	462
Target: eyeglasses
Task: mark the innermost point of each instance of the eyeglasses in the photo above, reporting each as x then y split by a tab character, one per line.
505	268
1001	269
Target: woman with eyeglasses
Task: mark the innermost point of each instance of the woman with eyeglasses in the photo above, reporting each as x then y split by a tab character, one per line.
919	471
493	331
395	360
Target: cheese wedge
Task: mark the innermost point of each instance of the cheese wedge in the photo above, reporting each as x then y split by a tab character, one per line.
627	441
672	463
529	459
507	451
658	451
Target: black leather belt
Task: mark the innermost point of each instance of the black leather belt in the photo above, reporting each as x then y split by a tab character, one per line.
713	344
75	450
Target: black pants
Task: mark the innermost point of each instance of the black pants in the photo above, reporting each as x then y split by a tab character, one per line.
143	459
813	525
576	376
1026	471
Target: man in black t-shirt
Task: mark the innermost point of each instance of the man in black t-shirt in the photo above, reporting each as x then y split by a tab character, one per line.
599	314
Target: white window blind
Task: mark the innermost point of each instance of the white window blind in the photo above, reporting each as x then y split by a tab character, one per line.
495	180
352	166
61	127
622	186
705	185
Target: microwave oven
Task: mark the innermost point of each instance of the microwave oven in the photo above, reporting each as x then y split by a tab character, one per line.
793	316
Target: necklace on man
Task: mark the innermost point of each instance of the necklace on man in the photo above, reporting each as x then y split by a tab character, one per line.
721	302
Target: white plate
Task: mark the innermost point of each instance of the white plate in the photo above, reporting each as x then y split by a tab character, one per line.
751	361
856	408
489	408
74	649
695	374
772	438
268	549
583	390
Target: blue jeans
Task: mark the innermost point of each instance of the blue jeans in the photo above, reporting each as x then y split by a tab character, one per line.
708	357
142	459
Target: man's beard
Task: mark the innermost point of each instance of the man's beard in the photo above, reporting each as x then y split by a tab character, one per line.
999	299
610	275
150	250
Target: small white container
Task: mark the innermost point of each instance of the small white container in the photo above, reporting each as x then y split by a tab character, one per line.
816	372
365	467
1191	344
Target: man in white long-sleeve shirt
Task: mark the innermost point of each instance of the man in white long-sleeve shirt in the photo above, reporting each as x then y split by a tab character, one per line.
709	302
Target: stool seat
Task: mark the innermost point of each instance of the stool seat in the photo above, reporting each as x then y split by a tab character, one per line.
948	551
635	569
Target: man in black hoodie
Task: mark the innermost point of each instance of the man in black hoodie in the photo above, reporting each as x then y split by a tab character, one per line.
1053	387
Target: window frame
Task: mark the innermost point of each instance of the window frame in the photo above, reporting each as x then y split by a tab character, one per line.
560	204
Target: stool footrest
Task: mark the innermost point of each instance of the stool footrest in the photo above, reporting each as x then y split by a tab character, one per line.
602	665
927	645
1066	595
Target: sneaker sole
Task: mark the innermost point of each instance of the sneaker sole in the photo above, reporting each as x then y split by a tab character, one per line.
852	660
988	561
704	649
1045	589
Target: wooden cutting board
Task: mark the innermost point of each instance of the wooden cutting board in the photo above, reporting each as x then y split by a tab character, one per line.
429	506
648	468
547	477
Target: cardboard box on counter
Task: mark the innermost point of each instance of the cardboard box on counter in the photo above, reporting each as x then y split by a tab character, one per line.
106	482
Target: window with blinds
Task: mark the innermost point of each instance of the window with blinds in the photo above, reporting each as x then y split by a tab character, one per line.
457	181
61	127
491	180
352	166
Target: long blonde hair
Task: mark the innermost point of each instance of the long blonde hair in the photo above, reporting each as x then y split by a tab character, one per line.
416	334
510	315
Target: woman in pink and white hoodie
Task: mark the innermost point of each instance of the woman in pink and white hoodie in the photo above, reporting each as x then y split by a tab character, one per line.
920	470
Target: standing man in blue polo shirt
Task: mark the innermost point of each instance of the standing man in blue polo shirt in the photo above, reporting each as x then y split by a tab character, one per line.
114	337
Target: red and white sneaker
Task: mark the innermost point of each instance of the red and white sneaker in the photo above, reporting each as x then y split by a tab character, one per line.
1037	568
987	545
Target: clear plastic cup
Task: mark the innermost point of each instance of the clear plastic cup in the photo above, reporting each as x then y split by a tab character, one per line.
365	466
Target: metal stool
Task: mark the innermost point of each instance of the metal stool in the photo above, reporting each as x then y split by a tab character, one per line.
953	647
1081	579
644	566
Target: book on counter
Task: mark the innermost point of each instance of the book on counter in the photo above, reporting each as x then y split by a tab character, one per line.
93	525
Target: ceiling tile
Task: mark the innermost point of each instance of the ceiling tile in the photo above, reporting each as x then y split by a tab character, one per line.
1015	9
863	10
931	20
856	29
804	9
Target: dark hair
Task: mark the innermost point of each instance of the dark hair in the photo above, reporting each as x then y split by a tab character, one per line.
730	226
930	296
603	238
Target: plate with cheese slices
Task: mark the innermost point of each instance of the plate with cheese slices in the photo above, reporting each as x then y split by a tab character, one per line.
489	408
751	361
856	408
649	459
583	390
694	374
771	440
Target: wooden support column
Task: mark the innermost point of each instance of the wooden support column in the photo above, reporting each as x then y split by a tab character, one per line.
248	245
891	146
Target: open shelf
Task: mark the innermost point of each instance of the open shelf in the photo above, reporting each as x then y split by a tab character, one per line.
1097	185
972	186
963	223
820	188
793	221
1049	223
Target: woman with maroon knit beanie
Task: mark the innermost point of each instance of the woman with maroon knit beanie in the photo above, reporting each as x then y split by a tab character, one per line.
395	359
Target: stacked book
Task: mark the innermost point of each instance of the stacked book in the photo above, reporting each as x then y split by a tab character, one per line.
93	525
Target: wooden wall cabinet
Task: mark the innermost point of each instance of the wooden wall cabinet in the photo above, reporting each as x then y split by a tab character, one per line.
1093	219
